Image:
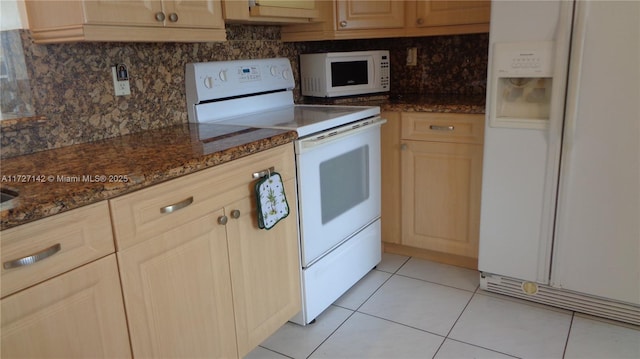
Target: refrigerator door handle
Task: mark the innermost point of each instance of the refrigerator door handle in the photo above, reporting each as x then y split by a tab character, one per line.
577	52
555	137
561	68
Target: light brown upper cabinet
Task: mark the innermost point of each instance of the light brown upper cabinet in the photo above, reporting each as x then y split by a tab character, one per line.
445	17
369	14
360	19
131	20
270	11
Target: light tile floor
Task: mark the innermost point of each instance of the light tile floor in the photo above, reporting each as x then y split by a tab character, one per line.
412	308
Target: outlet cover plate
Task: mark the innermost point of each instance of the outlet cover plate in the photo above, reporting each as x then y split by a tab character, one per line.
120	84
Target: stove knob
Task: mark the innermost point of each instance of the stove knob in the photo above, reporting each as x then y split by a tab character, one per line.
223	75
274	71
286	74
208	82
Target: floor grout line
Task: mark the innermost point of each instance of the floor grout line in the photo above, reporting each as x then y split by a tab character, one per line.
566	342
455	322
329	336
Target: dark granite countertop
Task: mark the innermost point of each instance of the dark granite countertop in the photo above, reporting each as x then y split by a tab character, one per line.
411	102
435	103
54	181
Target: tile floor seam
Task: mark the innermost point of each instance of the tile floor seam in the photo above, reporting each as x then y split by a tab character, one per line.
566	342
275	351
402	265
444	285
330	334
399	323
455	322
374	292
480	346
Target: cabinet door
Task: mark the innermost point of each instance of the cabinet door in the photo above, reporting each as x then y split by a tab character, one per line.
443	13
127	12
205	13
441	185
363	14
76	315
265	270
390	177
177	292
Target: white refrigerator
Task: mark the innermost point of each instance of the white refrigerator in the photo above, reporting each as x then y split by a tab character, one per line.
560	213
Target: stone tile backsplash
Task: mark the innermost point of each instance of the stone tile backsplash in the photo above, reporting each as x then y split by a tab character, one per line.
446	64
72	88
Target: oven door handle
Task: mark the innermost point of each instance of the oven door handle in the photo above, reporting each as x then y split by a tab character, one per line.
334	135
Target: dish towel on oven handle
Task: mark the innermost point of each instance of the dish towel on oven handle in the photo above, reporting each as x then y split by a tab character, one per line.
272	203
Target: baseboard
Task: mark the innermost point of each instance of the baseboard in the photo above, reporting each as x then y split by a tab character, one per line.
446	258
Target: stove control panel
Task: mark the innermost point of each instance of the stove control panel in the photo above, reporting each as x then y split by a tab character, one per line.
207	81
249	73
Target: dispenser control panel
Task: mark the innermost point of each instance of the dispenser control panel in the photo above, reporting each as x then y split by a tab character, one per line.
529	59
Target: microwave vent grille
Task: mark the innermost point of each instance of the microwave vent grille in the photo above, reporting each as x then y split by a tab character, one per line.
311	84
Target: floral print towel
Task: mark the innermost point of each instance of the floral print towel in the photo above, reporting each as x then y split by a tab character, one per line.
272	203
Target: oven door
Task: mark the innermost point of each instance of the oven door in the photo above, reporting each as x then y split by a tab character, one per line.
338	187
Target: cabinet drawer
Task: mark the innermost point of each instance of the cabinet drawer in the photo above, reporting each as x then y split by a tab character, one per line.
152	211
443	127
54	245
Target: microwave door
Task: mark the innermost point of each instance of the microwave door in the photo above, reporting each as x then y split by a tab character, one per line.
350	73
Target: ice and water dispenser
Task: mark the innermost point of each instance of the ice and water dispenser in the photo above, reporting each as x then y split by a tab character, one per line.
521	85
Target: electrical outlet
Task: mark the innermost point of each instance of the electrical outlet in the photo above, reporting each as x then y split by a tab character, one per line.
412	56
121	80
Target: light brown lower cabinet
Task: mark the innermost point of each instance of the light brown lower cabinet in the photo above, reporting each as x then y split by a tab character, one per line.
61	294
201	279
433	202
78	314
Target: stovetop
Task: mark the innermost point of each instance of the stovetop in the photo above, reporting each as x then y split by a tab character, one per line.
304	119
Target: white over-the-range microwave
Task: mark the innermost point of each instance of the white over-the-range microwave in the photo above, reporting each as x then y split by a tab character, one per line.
333	74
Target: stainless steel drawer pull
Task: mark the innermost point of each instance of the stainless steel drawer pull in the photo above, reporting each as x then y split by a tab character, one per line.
36	257
176	206
263	173
442	128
